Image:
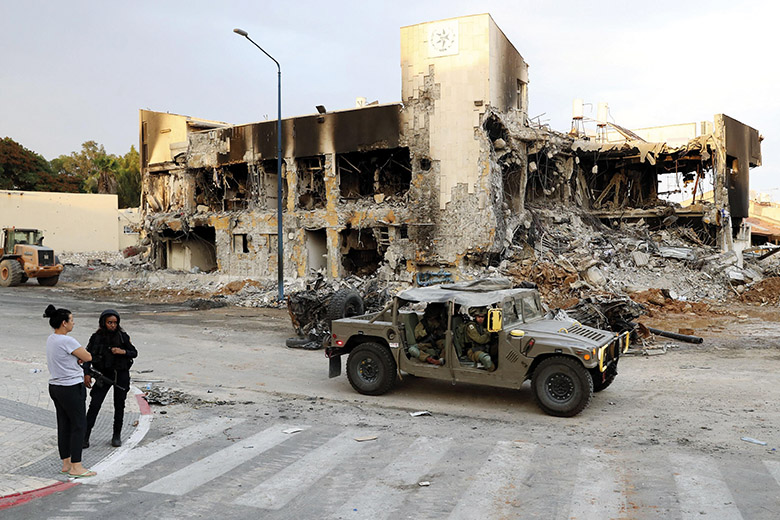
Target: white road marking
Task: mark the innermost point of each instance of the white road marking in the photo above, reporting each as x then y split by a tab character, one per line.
275	492
597	493
126	460
219	463
702	490
377	499
490	495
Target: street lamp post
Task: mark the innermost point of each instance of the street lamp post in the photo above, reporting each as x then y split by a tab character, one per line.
280	247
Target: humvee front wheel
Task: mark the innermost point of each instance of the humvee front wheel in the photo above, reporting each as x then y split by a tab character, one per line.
11	273
371	369
562	386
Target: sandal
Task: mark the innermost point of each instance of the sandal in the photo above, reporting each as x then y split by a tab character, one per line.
86	474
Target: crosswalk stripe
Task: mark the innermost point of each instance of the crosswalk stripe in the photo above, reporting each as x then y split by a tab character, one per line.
702	490
598	493
774	469
489	495
275	492
139	457
217	464
377	499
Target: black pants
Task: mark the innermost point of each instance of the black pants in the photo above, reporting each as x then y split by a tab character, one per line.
69	402
98	394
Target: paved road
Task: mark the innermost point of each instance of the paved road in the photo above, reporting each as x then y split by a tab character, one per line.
662	442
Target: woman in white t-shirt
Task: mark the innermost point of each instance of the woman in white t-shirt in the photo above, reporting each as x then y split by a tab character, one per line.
67	390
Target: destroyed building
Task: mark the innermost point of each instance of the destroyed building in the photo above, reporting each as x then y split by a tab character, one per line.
444	180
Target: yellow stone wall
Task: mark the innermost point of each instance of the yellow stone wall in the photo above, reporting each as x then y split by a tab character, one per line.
73	222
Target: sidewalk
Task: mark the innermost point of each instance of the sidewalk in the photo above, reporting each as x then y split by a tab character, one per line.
29	462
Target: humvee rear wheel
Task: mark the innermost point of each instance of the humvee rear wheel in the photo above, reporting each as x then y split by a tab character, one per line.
562	386
371	369
50	281
11	273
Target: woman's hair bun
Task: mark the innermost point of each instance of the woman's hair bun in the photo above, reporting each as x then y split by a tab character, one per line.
49	312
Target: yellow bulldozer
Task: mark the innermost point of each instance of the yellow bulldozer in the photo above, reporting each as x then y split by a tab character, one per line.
23	256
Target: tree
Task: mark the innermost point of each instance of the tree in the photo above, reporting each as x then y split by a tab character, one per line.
128	176
23	169
93	165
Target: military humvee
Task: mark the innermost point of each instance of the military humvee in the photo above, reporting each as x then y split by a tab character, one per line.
565	361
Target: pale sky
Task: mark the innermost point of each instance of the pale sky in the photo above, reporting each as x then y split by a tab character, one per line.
76	71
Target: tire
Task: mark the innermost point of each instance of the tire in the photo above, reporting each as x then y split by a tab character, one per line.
371	369
609	376
345	303
11	273
306	344
50	281
562	386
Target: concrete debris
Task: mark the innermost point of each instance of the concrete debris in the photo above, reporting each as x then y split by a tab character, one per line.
640	259
163	396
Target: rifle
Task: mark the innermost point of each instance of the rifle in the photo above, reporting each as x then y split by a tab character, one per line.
102	378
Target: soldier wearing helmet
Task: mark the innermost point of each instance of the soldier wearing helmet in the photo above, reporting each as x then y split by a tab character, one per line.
429	334
478	338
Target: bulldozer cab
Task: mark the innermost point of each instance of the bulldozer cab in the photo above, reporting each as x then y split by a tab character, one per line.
14	236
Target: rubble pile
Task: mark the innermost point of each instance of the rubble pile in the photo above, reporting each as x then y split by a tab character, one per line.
92	258
572	255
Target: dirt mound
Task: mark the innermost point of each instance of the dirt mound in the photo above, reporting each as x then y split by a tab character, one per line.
238	285
767	291
657	301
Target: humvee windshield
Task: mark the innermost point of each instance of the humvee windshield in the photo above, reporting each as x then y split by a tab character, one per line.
525	308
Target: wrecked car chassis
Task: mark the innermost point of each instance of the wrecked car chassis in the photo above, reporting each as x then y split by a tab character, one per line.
565	361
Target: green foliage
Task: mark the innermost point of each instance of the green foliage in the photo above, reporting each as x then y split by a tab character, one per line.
102	172
128	176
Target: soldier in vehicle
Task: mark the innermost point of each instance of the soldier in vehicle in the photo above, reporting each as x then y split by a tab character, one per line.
429	334
477	339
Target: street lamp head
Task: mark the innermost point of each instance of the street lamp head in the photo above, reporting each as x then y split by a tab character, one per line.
241	32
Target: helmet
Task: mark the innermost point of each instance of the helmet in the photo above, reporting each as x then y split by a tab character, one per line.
478	311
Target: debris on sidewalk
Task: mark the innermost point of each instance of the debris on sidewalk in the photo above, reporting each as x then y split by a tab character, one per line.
418	414
368	438
753	441
292	430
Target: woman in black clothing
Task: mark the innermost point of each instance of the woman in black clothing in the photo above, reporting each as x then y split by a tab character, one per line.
112	355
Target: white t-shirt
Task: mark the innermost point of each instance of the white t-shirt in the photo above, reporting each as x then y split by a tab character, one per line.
64	367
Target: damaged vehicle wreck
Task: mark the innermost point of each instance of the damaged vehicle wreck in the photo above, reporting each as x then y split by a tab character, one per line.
565	361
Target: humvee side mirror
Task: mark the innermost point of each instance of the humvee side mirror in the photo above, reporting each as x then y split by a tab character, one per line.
494	319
